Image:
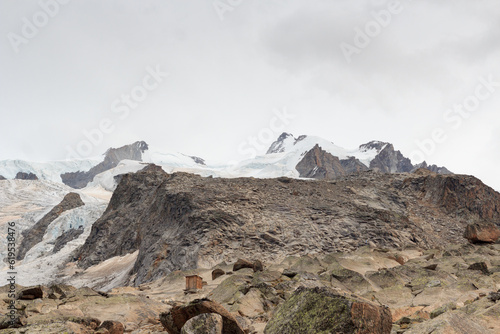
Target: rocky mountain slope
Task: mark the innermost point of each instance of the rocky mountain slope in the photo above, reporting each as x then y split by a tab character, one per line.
182	221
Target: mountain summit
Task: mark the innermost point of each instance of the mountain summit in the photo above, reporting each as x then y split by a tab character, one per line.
314	157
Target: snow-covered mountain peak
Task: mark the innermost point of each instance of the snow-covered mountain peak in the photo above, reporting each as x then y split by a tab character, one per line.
373	145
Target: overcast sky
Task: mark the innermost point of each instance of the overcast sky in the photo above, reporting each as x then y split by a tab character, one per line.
348	71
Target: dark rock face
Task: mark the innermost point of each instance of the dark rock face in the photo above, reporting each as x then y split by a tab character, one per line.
278	145
353	165
217	273
66	237
182	221
373	145
2	178
319	164
321	310
35	234
391	161
198	160
35	292
26	176
241	264
174	320
432	168
112	157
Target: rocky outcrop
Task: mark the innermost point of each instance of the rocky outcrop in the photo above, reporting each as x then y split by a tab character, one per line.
198	160
216	273
26	176
321	310
458	195
242	263
2	178
112	157
182	221
432	168
174	320
66	237
352	165
389	160
35	234
319	164
482	233
279	145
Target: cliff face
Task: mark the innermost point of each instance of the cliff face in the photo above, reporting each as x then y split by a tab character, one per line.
112	157
391	161
318	164
184	221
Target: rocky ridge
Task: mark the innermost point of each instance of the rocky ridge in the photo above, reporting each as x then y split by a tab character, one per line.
35	234
183	221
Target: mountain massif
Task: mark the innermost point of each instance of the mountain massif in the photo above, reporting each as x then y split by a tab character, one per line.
307	238
181	221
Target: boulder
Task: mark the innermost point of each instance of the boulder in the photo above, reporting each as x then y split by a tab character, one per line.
2	178
34	292
482	233
111	327
174	320
207	323
481	266
217	273
241	263
321	310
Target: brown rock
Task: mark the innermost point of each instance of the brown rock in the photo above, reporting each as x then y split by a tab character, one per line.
217	273
112	327
34	292
174	320
258	266
484	232
241	263
319	164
